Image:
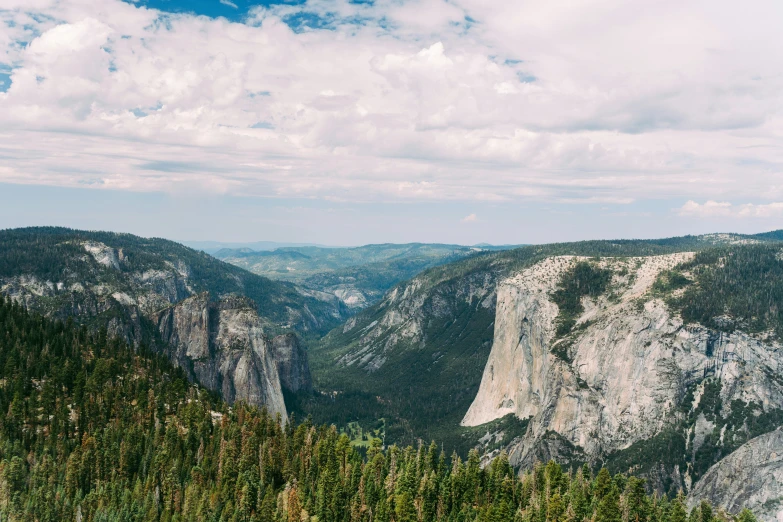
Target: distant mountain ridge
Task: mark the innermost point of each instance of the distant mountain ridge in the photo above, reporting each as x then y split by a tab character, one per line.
210	247
654	357
357	275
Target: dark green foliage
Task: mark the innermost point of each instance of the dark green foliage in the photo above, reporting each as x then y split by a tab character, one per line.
746	515
665	449
461	339
744	422
423	391
608	509
584	279
97	432
669	281
738	287
668	450
775	235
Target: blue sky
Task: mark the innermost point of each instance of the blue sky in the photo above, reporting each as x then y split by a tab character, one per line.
347	122
233	10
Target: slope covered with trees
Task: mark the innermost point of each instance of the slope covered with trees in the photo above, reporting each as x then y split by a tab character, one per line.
98	432
57	263
734	288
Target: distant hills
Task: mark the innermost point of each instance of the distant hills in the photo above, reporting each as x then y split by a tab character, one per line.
665	361
210	247
357	275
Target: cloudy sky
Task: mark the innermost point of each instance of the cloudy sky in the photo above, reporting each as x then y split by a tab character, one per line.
342	122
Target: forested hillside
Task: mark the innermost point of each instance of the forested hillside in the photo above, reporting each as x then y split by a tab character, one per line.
359	276
734	288
96	431
60	269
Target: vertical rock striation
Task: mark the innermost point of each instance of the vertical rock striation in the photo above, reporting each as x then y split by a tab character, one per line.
750	477
625	374
138	288
292	364
222	345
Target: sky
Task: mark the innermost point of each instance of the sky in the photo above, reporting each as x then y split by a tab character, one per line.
351	122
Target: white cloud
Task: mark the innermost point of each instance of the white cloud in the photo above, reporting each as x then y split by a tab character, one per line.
534	100
470	218
229	3
712	209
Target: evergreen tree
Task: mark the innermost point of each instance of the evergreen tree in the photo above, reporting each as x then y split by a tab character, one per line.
97	431
608	509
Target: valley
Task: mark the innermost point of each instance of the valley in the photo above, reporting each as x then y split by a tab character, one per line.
654	358
358	276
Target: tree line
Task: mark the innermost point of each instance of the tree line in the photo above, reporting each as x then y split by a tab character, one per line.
97	431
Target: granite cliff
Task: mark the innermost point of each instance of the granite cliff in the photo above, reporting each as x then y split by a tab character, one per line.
233	331
751	476
222	345
630	377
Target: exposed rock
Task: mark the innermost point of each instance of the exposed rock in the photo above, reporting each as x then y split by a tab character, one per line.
292	365
352	298
750	477
623	374
223	346
103	254
405	312
131	291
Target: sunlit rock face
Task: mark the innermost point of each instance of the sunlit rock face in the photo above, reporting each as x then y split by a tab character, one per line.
222	345
750	477
219	340
622	376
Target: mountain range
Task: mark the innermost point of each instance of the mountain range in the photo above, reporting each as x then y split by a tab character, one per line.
358	276
660	358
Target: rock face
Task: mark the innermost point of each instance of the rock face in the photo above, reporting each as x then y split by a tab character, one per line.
750	477
134	286
292	364
401	319
623	376
222	345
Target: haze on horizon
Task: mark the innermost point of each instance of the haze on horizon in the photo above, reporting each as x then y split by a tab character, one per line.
346	123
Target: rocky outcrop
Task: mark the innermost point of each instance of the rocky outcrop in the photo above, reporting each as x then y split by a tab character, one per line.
400	321
623	375
292	364
134	286
222	345
515	376
750	477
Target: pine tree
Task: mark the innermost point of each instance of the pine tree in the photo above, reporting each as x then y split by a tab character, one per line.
677	510
746	515
608	509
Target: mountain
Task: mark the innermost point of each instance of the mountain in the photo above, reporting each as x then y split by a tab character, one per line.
440	323
633	370
752	475
216	321
210	247
660	357
94	430
357	276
